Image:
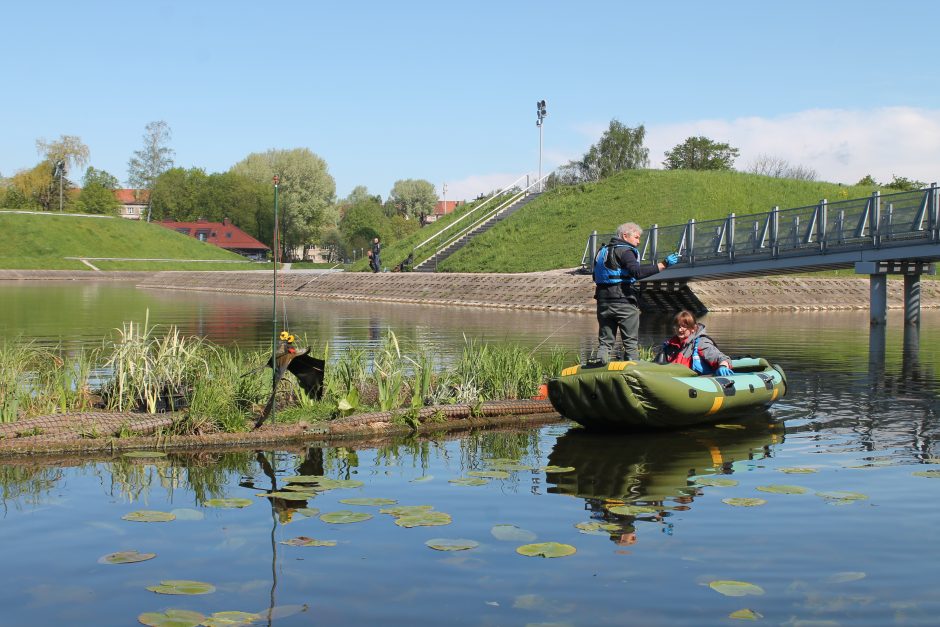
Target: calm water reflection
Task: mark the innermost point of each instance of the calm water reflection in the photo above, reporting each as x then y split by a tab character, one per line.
851	423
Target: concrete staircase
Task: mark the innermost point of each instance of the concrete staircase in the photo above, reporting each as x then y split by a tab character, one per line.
430	264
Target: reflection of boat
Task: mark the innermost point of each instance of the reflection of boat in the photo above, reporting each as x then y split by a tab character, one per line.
628	394
654	467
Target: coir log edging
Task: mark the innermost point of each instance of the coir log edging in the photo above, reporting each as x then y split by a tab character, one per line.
75	433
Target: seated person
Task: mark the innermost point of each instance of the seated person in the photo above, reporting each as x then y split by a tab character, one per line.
691	347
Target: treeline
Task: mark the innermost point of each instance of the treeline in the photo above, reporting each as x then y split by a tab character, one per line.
309	212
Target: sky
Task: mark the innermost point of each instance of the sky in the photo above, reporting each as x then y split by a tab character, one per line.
447	91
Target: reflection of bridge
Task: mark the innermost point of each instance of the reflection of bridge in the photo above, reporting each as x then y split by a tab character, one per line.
878	235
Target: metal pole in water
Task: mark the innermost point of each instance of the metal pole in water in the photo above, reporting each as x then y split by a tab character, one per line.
274	307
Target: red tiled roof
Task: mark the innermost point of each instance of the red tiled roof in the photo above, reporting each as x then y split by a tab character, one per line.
222	234
132	196
446	206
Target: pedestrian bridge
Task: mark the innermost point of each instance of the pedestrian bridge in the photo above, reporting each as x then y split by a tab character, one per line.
877	235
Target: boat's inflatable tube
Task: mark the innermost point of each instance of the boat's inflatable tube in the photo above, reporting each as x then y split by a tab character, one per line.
636	395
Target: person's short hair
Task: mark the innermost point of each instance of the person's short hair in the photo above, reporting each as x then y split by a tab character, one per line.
629	228
685	319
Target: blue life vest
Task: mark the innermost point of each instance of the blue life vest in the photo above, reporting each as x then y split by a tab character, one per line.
604	274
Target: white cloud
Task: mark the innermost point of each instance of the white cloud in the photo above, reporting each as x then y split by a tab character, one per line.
841	145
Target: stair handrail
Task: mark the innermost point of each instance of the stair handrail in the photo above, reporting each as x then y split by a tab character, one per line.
480	206
493	212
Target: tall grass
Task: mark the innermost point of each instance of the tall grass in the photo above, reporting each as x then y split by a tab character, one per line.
148	368
221	389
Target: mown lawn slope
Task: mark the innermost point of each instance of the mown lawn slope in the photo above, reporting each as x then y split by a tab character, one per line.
551	232
43	241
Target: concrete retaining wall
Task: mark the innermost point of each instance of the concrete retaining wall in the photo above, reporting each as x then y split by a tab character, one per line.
549	291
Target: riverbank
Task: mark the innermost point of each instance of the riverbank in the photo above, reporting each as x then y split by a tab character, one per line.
563	291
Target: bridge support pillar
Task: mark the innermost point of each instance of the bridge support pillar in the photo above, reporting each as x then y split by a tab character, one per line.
911	299
878	299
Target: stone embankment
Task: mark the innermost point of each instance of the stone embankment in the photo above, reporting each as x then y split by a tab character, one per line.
558	290
548	291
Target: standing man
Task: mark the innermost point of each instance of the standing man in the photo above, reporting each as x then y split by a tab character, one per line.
616	271
376	255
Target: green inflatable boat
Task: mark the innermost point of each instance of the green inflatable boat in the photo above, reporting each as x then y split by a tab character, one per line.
643	395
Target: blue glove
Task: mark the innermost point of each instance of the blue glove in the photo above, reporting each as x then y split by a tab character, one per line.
671	260
724	371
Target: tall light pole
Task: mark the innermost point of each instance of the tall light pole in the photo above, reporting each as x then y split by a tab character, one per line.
59	172
444	208
541	114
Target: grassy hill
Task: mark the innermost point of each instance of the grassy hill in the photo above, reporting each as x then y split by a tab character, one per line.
551	231
43	241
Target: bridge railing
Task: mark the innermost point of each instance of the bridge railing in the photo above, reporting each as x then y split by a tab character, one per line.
880	220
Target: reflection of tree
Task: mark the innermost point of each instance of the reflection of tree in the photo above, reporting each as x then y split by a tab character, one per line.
27	484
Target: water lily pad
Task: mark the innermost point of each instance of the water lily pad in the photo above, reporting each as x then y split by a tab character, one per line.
300	487
730	427
182	586
842	497
305	541
422	479
597	528
344	517
512	533
145	454
716	482
305	478
309	512
229	503
186	513
512	467
782	489
633	510
368	501
146	515
845	577
171	618
744	502
489	474
929	474
126	557
556	469
731	588
746	614
406	510
424	519
469	481
797	471
456	544
546	549
287	496
231	619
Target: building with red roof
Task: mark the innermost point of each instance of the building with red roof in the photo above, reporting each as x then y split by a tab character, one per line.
223	234
133	203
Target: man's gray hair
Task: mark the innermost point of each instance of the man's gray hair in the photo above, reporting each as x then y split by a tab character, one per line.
629	228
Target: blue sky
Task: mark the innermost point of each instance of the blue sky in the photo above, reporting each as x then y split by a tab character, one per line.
446	91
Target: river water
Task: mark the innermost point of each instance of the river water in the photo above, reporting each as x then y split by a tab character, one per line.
846	466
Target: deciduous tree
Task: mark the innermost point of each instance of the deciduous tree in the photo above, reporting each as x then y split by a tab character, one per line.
155	158
63	154
411	197
97	194
778	167
306	189
700	153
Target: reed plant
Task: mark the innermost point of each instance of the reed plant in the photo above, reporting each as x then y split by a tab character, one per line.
388	373
148	368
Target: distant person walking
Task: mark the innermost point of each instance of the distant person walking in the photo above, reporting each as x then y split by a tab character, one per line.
616	271
376	255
